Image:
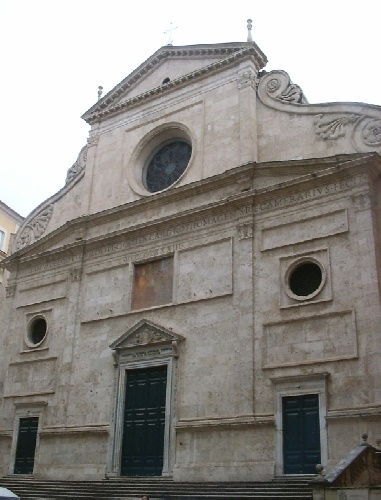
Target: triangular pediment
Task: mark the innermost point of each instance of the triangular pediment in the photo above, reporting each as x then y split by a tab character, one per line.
170	67
145	333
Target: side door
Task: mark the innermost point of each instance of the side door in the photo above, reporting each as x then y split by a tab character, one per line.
301	434
26	445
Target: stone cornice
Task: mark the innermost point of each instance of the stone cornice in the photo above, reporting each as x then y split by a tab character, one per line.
230	53
334	172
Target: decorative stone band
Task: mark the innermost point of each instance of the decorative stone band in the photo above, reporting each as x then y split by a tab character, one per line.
331	121
34	229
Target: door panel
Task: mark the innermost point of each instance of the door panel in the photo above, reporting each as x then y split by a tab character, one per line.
26	445
301	434
144	422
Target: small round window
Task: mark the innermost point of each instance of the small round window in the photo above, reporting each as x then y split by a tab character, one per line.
37	331
305	279
166	165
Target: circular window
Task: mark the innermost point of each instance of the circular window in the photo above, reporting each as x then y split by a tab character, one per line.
166	165
161	159
37	330
305	279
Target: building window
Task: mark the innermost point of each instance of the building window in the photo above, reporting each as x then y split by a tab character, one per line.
166	165
153	283
2	239
305	279
37	330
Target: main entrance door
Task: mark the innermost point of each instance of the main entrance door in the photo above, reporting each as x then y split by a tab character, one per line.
26	445
301	434
144	422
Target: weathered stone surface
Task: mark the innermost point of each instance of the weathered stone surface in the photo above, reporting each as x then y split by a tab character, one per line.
273	184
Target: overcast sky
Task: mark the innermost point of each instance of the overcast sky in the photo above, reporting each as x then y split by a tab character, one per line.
55	54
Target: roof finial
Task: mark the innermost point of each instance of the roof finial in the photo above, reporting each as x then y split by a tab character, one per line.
100	90
249	26
169	31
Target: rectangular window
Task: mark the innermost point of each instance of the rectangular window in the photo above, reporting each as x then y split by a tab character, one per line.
153	283
2	238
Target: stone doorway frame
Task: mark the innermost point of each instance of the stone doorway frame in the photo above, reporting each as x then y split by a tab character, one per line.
26	409
299	386
144	346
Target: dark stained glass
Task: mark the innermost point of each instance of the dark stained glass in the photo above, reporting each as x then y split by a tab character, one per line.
167	165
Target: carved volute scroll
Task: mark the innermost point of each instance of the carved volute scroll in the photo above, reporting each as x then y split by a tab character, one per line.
34	229
277	85
78	167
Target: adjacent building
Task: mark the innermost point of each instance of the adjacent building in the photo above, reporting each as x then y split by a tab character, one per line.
10	221
202	298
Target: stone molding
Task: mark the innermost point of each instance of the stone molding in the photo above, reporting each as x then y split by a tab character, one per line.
85	429
230	54
332	121
225	422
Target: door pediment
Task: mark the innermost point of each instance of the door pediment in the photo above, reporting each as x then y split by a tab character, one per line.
146	334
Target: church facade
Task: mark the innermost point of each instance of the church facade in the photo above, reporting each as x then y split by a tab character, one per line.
202	298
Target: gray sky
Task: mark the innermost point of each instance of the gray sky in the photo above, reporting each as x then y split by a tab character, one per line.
55	54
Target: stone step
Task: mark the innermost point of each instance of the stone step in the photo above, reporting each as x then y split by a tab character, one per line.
156	489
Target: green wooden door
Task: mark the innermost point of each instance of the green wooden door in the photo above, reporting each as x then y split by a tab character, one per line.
301	434
26	445
144	422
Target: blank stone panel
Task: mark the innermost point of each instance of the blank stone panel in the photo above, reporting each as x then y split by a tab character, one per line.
304	229
31	377
106	293
310	340
205	271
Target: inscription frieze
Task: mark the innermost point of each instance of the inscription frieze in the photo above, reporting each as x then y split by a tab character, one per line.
166	233
46	266
317	192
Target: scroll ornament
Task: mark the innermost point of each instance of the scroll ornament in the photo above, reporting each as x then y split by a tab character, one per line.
78	167
333	129
286	93
35	228
365	132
